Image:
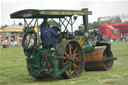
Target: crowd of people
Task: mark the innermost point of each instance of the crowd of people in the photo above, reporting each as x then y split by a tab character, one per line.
10	43
46	36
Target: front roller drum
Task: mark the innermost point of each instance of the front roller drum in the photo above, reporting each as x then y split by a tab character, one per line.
99	60
71	49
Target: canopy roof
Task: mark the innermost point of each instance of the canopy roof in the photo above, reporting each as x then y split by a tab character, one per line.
10	30
14	26
32	13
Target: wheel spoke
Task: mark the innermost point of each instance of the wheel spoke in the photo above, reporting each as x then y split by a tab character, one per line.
26	41
67	72
66	53
32	37
66	62
70	49
29	39
74	68
70	71
75	52
76	65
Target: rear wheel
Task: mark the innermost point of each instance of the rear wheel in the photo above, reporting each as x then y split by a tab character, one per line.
29	42
71	49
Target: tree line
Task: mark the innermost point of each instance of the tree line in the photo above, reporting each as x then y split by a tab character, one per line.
112	20
3	26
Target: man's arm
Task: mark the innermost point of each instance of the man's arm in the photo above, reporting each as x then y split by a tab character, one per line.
54	33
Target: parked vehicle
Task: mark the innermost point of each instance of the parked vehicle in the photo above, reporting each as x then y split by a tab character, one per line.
109	31
114	31
123	28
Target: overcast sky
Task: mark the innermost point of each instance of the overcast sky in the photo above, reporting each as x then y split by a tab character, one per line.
99	8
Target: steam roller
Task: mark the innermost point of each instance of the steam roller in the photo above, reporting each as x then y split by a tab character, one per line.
73	51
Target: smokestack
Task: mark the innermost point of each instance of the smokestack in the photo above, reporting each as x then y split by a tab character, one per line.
85	9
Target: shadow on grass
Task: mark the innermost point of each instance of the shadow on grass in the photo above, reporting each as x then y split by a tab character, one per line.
48	79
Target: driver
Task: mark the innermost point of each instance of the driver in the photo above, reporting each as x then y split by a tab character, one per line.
46	34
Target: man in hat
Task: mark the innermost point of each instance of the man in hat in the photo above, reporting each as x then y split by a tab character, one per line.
47	34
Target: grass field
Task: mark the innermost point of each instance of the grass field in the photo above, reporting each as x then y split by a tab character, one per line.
13	70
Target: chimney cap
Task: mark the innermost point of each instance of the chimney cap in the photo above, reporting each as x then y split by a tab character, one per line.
84	9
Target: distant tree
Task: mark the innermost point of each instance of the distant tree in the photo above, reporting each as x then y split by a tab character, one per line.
95	25
90	26
6	25
117	19
2	27
103	22
126	22
20	24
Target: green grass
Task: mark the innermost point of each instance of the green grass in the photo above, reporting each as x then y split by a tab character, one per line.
13	70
